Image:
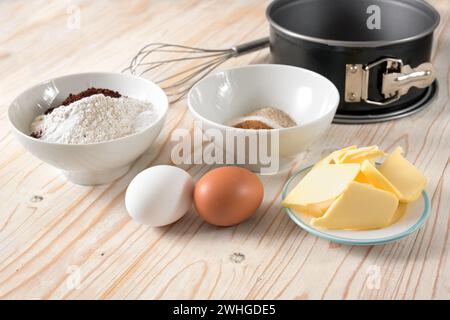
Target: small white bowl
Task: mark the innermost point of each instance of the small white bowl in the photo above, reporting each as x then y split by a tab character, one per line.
95	163
307	97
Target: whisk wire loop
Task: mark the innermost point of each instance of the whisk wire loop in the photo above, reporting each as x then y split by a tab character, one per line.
187	61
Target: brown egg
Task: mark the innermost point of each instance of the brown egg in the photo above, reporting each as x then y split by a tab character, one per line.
228	195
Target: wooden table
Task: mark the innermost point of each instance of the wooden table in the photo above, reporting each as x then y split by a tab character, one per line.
60	240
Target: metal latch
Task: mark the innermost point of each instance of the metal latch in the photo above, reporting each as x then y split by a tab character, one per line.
397	80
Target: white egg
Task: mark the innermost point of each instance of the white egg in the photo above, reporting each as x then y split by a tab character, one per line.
160	195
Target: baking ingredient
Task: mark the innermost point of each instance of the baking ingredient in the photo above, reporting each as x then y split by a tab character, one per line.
404	176
264	118
360	207
96	118
375	178
253	124
333	157
358	155
228	195
321	185
337	155
313	210
86	93
338	197
399	213
159	196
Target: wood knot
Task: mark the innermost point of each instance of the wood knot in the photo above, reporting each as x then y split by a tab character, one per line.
237	257
333	245
36	198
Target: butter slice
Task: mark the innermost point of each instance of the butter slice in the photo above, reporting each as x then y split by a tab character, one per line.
360	207
399	213
404	176
314	210
333	157
361	178
361	154
338	154
376	179
321	184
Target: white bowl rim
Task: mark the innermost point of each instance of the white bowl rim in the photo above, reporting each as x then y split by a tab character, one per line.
262	65
151	83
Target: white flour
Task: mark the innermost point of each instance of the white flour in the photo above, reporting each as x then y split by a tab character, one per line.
95	119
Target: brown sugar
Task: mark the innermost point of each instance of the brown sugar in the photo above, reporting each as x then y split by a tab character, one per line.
252	124
264	118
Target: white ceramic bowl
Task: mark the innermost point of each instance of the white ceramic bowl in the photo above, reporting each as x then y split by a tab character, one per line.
310	99
87	164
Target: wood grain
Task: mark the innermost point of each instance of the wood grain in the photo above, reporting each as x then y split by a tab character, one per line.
50	227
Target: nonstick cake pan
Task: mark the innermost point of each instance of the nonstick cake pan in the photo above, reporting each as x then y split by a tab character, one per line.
377	52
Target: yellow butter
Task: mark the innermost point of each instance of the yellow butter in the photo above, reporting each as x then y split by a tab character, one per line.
308	210
375	178
314	210
359	155
404	176
333	157
399	213
327	160
338	154
360	207
322	184
361	178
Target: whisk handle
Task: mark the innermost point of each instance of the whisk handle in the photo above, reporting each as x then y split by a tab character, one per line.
251	46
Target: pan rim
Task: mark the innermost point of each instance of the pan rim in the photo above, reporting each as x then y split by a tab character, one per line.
360	44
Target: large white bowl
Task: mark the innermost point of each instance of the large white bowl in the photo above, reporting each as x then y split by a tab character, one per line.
309	98
95	163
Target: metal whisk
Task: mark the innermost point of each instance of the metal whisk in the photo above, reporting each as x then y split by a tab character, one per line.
193	64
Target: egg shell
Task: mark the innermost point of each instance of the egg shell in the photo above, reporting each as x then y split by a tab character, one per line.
159	196
228	195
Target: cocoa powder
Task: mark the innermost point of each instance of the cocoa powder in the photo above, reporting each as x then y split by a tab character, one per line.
36	134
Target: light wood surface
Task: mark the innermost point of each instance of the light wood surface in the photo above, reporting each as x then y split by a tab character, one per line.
53	232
